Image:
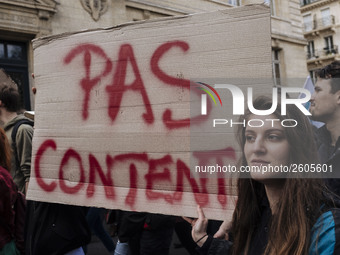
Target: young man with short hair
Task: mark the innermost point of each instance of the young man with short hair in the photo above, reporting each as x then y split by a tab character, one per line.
325	107
22	147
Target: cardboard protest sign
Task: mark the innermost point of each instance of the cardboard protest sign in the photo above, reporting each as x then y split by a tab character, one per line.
112	124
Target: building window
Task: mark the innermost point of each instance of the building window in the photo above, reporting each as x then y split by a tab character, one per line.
308	22
234	2
2	50
310	50
14	52
305	2
329	47
271	3
326	17
276	67
312	75
13	59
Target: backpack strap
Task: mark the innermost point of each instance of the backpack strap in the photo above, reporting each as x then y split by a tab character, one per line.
14	135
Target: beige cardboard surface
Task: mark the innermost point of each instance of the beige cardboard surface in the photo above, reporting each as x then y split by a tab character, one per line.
111	106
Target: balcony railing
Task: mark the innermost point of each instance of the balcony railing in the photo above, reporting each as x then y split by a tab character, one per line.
319	23
325	22
309	26
325	52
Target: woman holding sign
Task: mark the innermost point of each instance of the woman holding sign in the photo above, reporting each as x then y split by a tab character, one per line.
276	212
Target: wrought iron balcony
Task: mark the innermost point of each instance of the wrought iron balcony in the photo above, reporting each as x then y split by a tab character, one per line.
319	24
310	26
324	53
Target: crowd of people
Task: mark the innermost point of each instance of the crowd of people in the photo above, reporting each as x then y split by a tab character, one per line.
275	213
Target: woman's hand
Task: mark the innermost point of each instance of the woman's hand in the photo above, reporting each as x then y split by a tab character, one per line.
222	232
199	227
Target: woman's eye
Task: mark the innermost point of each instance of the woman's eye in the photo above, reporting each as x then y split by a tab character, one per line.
250	138
274	137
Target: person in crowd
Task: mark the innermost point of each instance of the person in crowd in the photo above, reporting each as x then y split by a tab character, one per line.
144	233
10	105
95	217
276	213
55	229
9	193
183	232
325	107
157	233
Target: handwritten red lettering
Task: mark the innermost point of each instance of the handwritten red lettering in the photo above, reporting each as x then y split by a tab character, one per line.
106	180
217	155
153	176
158	54
87	84
167	79
71	153
182	170
137	157
159	170
118	87
47	144
131	196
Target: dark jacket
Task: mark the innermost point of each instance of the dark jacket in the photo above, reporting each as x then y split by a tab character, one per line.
131	226
54	229
8	193
325	236
329	155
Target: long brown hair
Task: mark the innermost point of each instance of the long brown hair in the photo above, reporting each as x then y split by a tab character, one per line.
5	151
298	206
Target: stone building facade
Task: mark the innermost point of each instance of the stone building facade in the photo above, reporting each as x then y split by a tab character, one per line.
288	43
24	20
322	31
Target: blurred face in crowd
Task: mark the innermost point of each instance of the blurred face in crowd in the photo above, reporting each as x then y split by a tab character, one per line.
324	104
266	145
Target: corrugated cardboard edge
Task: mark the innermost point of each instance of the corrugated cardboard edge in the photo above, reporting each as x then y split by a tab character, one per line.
47	39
